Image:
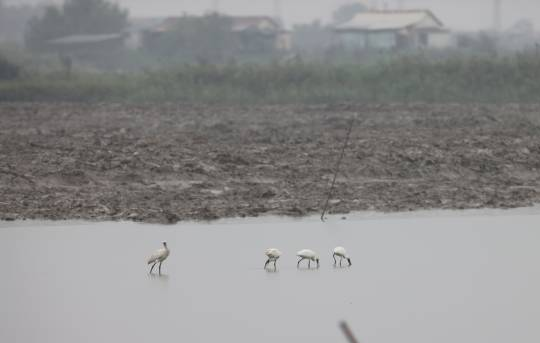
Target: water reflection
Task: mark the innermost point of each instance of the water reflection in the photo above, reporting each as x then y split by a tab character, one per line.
158	277
337	266
307	269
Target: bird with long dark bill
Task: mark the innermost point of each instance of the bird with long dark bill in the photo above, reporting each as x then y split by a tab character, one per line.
273	255
342	254
159	256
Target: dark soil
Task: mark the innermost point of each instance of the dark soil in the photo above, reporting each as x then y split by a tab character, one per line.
166	163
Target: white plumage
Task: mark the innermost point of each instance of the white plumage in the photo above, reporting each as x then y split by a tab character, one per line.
159	256
307	254
273	255
342	254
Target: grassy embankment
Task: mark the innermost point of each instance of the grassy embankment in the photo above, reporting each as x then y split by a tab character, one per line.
510	79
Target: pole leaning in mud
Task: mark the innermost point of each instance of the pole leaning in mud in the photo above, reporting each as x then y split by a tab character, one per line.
330	192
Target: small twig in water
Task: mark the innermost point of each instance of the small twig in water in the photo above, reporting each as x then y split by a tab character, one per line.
347	332
337	167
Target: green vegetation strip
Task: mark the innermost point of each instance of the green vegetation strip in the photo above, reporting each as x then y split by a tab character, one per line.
512	79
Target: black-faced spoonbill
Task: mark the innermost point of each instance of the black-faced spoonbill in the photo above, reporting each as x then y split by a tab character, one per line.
159	255
342	254
309	255
273	255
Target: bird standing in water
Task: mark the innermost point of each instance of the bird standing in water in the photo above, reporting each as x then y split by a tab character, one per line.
273	255
342	254
309	255
159	256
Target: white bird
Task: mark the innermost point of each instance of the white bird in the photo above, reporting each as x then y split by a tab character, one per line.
342	254
273	255
159	255
309	255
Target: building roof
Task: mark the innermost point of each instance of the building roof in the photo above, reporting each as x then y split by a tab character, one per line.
239	24
254	23
84	39
141	24
389	20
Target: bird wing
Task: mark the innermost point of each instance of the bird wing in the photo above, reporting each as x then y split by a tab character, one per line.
153	258
272	252
159	254
340	251
306	253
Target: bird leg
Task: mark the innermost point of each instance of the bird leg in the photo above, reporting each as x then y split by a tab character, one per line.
334	256
267	261
160	267
298	264
340	260
275	263
153	267
309	263
349	260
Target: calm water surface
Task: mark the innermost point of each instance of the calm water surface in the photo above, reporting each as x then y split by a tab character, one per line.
432	278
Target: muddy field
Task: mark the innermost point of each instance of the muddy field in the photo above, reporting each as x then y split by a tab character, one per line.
169	163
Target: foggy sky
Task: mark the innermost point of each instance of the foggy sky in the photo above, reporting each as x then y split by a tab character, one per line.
457	14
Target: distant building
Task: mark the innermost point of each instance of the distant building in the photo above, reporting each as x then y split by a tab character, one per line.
261	29
87	45
137	29
389	29
257	34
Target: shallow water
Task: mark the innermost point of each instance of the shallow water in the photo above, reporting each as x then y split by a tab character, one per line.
423	278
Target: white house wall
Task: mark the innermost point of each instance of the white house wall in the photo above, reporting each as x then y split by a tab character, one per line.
283	42
440	40
382	40
353	40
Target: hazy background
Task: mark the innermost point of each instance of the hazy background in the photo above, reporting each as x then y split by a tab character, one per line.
457	14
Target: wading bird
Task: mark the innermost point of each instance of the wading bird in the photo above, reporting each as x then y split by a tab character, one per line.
341	253
159	256
273	255
309	255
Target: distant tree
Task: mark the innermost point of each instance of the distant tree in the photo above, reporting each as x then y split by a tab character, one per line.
8	70
313	38
348	11
76	17
481	43
14	18
207	39
524	27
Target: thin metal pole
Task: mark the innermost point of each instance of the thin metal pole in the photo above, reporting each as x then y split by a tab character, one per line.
277	10
215	6
497	15
347	332
337	167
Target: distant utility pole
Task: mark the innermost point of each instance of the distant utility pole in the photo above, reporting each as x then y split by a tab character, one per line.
277	10
497	15
215	6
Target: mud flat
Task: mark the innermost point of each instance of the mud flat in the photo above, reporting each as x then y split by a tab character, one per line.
167	163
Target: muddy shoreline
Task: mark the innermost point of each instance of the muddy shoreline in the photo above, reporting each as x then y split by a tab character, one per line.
168	163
